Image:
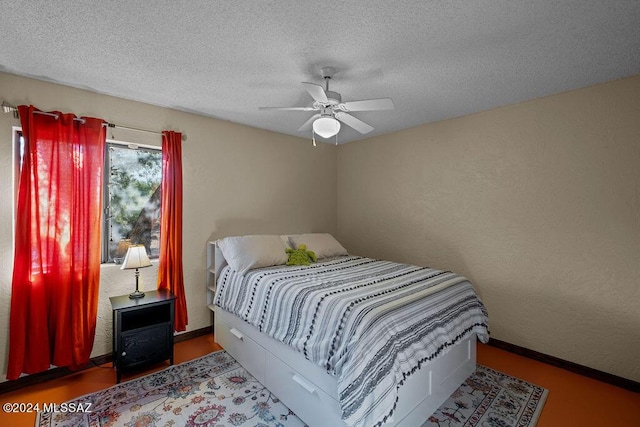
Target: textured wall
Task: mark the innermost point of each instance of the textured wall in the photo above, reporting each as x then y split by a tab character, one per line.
537	203
237	180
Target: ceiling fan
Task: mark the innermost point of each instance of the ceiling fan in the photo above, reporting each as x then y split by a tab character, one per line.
332	111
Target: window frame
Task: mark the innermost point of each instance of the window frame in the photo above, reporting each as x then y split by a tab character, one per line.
105	192
16	140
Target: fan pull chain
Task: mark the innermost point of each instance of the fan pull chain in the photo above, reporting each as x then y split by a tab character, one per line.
313	138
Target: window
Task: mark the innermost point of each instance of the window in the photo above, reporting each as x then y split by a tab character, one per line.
131	197
131	200
18	152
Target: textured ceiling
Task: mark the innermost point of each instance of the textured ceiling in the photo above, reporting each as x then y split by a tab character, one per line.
436	59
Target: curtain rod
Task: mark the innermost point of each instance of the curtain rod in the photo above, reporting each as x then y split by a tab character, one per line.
8	108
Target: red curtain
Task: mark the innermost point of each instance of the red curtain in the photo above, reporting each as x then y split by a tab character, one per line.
170	275
56	271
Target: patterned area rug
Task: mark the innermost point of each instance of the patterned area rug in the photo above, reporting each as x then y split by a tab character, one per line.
492	399
215	390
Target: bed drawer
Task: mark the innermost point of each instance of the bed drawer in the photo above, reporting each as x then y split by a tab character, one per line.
302	396
242	348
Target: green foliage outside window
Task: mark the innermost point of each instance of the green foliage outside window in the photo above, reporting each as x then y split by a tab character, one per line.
133	200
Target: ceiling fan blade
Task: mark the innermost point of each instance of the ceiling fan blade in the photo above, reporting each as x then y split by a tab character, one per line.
307	125
287	108
316	91
355	123
368	105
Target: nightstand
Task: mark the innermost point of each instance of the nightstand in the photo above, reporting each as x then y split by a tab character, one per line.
142	330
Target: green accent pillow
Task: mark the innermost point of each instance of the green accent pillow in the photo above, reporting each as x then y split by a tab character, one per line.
300	256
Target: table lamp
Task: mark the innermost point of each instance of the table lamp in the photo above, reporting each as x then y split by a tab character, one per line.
136	258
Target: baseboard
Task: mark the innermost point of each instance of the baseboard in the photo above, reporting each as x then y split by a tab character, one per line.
54	373
569	366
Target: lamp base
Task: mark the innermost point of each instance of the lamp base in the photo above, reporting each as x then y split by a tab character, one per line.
137	294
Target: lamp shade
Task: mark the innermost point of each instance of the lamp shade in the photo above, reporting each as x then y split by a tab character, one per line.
326	127
136	258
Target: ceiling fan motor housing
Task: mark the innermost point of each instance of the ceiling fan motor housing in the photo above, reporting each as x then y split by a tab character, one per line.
333	97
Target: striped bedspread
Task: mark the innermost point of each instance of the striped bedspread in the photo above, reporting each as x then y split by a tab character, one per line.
370	323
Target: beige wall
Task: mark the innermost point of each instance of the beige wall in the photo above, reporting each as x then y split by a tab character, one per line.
237	180
537	203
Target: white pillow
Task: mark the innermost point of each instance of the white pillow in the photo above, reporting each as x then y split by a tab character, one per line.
285	239
323	244
244	253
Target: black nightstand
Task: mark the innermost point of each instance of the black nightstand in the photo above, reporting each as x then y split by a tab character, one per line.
142	330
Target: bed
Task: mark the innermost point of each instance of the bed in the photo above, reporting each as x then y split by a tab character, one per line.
348	340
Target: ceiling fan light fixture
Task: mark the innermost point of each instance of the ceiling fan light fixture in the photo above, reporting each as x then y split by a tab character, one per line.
326	127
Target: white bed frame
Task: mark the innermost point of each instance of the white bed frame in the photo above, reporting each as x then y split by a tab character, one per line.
312	393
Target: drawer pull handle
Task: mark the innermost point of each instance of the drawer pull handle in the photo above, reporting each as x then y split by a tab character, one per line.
305	385
236	333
